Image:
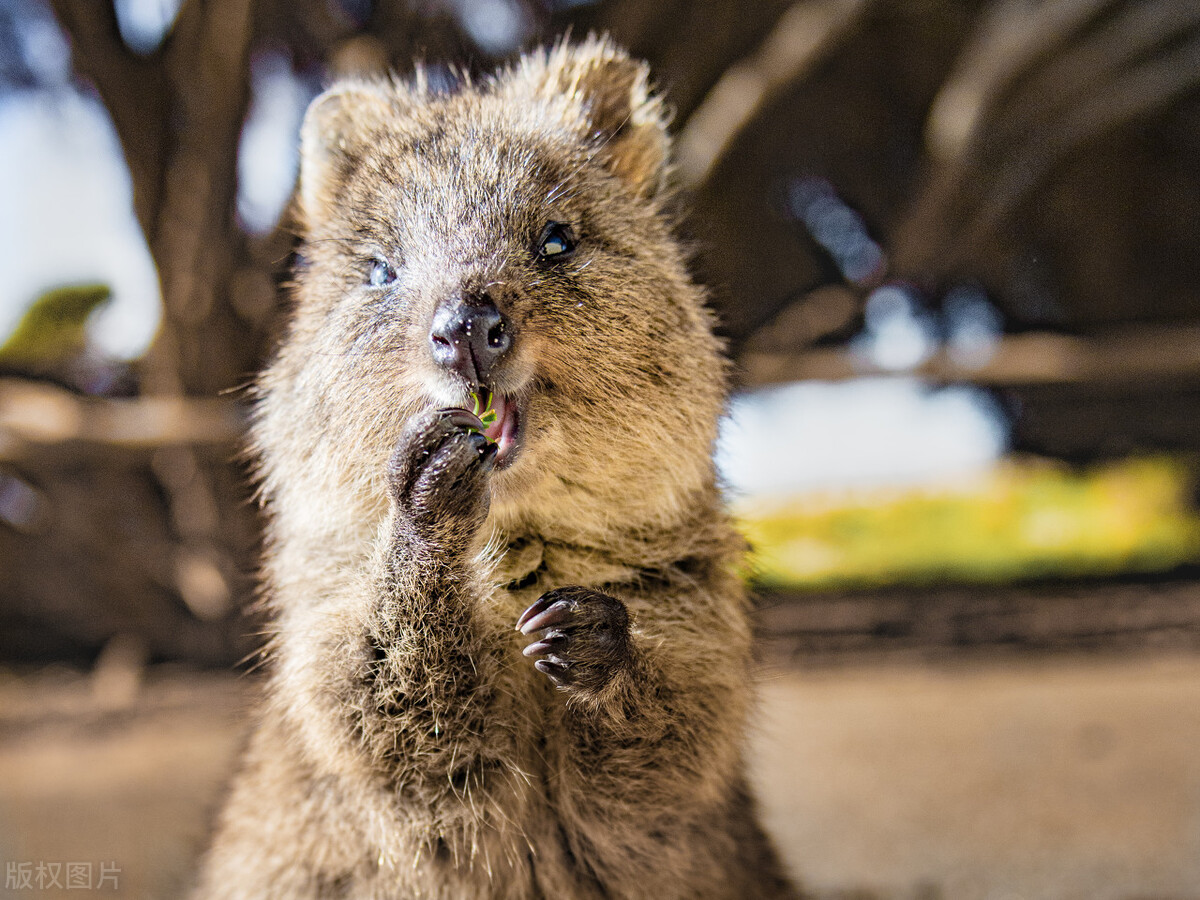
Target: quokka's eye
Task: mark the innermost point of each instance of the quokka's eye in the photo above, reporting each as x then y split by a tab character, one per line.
556	242
380	273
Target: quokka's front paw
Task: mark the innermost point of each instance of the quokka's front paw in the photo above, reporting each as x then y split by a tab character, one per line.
439	475
584	638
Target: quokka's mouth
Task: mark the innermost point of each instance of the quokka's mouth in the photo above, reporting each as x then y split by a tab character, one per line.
504	429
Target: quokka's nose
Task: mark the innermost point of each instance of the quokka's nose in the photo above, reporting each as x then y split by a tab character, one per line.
469	336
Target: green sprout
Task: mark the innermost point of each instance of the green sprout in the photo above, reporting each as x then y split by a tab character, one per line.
483	409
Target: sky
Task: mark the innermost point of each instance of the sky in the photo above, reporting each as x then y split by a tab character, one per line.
67	217
861	434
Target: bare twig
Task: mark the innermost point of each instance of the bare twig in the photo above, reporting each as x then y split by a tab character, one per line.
1130	355
34	414
1128	97
1011	38
1014	111
801	38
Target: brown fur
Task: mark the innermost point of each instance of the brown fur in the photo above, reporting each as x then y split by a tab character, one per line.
407	748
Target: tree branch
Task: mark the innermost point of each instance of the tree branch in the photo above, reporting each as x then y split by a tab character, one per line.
1133	354
34	414
1011	39
1124	97
134	90
801	38
1015	110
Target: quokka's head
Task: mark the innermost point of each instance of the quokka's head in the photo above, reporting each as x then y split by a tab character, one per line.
507	237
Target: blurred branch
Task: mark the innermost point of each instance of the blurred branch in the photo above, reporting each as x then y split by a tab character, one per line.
307	29
179	114
810	625
1137	30
134	90
1011	37
821	312
33	415
195	241
1128	355
1032	89
1127	98
802	37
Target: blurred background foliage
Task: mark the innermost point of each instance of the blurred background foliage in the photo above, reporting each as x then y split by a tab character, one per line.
1030	520
962	232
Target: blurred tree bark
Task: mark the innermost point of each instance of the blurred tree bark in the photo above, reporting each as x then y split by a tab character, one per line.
186	537
178	113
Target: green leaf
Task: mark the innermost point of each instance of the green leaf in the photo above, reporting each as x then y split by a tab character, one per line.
53	328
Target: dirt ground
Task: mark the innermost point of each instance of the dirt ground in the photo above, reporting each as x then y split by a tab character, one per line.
1049	780
1066	779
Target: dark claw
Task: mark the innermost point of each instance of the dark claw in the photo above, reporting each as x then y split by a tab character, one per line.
463	418
539	605
554	641
557	613
582	637
559	673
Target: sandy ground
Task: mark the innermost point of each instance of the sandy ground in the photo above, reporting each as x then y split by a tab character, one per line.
133	787
1016	781
1060	780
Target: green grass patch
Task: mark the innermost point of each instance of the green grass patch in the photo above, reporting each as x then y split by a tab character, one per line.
1026	519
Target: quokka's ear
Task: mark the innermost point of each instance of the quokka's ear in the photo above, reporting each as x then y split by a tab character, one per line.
625	122
337	127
